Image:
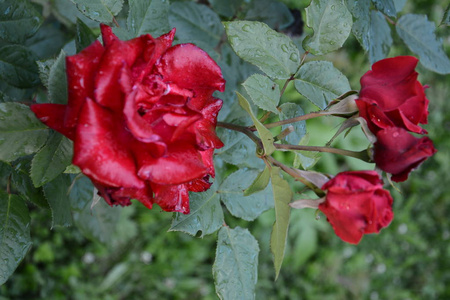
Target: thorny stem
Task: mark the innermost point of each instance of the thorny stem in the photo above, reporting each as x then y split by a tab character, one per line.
292	120
8	185
244	130
390	21
362	155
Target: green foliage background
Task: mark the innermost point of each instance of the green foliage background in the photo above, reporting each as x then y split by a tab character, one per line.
409	260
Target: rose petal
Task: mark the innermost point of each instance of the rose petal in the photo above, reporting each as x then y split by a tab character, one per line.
190	67
108	36
172	198
182	163
100	148
81	69
52	115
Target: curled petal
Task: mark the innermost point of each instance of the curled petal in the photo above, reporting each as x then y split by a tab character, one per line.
100	148
182	163
190	67
172	198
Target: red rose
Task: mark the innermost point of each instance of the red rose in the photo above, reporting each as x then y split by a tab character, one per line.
391	96
142	118
356	204
396	151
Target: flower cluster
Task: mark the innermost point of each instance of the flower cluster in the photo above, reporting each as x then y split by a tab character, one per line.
392	102
142	117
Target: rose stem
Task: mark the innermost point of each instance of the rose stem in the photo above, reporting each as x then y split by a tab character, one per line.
242	129
362	155
295	175
292	120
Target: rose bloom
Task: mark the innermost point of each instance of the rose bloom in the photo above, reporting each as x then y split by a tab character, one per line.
391	96
398	152
356	204
142	118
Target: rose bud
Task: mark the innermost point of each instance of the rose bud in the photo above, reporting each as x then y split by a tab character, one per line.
391	96
398	152
142	117
356	204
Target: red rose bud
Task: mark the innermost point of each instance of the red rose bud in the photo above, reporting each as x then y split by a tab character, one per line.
142	118
398	152
391	96
356	204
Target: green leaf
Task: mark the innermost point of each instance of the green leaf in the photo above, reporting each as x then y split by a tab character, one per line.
386	6
265	135
260	182
331	22
235	268
47	42
321	82
81	192
21	133
196	23
226	8
149	16
283	195
21	181
99	10
14	233
67	13
446	17
288	111
18	67
206	214
273	13
18	21
274	53
231	193
57	192
263	91
51	160
84	35
98	223
380	40
57	80
418	34
239	150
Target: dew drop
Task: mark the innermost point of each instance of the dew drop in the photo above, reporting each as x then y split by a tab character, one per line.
246	28
284	47
294	57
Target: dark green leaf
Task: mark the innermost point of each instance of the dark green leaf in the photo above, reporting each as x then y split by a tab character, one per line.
446	17
14	233
21	133
57	194
226	8
81	192
57	81
274	53
18	66
239	150
18	20
418	34
44	70
263	91
361	26
196	23
331	22
386	6
67	13
149	16
273	13
264	133
84	35
231	193
51	160
47	42
21	181
98	223
99	10
380	40
259	184
283	195
235	268
206	214
321	82
288	111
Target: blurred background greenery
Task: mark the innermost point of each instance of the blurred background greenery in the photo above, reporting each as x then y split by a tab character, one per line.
409	260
